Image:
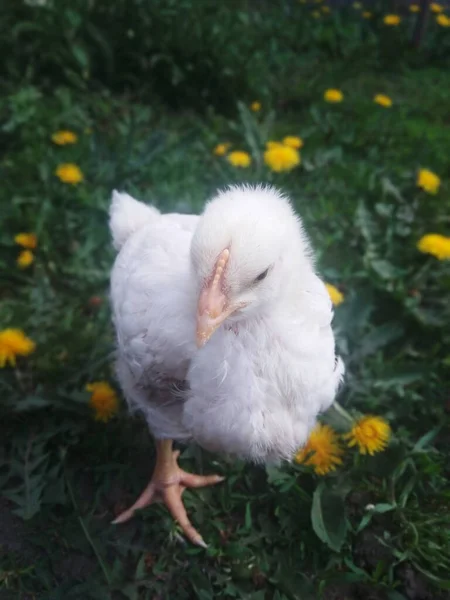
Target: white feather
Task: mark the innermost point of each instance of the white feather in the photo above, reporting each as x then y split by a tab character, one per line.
256	388
126	216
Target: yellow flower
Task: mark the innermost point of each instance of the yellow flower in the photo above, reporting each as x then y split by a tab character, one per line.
443	20
322	451
103	400
13	343
357	5
25	259
336	296
69	173
414	8
221	149
26	240
281	158
436	245
371	434
383	100
392	20
325	9
316	14
292	141
255	106
333	96
62	138
436	8
366	14
238	158
428	181
272	144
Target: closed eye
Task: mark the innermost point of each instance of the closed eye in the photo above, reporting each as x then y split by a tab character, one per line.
262	275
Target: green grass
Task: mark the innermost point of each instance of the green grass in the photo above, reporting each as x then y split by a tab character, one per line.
64	476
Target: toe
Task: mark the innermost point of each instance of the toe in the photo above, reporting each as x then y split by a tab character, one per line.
146	498
175	505
197	481
126	515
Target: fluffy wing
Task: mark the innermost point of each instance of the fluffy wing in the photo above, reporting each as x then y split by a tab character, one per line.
153	301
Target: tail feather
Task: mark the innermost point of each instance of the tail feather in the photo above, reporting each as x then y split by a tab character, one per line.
126	216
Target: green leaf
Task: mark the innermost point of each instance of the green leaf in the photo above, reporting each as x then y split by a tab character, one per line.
81	56
384	463
442	583
31	403
379	338
383	507
201	584
394	595
401	380
426	439
248	516
390	189
277	476
328	517
29	470
407	489
366	223
364	522
385	269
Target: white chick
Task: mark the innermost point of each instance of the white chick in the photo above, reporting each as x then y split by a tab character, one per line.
223	332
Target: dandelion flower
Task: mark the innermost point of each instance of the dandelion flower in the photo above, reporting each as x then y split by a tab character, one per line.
221	149
436	8
392	20
255	106
26	240
238	158
383	100
62	138
292	141
69	173
336	296
333	96
357	5
103	400
428	181
366	14
414	8
316	14
436	245
371	434
13	343
325	9
281	158
443	20
322	450
25	259
271	144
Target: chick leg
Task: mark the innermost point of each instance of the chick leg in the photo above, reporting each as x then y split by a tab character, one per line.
167	484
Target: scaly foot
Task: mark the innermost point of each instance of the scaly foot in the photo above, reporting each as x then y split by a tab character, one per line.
167	485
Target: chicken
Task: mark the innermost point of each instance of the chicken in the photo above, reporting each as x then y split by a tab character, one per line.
223	331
